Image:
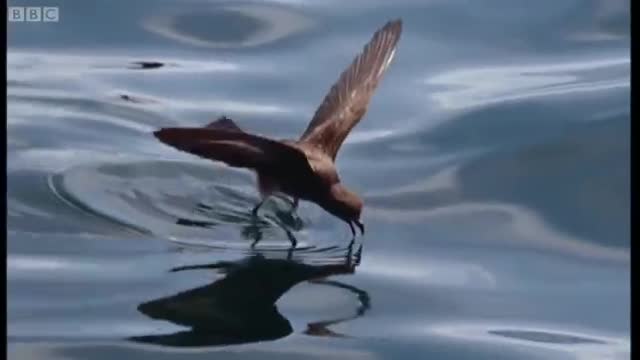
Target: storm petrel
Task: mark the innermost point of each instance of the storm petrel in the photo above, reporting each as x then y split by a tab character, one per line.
304	168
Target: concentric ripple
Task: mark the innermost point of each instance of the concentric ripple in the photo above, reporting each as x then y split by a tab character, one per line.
231	26
195	205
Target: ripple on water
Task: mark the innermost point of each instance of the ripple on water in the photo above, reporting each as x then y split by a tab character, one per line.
195	205
230	26
578	343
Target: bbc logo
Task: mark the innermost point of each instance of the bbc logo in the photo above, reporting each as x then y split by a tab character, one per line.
33	14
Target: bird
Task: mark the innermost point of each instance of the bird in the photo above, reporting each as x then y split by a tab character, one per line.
304	168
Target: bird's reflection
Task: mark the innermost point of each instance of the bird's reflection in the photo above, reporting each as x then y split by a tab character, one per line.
240	307
321	328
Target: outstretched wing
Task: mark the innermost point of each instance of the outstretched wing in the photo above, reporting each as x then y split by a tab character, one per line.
347	101
237	148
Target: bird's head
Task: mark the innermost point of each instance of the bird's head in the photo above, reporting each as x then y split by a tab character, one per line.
344	204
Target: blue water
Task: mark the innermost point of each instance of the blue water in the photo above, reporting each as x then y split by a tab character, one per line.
493	162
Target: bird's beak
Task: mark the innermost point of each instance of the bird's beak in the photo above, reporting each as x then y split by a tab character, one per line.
360	226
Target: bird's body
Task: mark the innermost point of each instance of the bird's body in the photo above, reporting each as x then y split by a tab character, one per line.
324	173
324	170
303	168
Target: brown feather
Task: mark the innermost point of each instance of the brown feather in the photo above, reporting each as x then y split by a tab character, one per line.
238	149
347	101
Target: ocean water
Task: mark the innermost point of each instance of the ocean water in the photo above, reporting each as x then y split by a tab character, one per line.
493	162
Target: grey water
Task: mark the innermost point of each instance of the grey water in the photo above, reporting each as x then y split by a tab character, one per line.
493	162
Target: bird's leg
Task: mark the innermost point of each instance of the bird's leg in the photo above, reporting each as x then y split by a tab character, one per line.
353	231
349	252
358	255
257	207
292	239
255	242
360	226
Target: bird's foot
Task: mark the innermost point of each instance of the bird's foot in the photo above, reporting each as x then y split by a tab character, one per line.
358	256
350	250
255	209
294	244
352	260
292	239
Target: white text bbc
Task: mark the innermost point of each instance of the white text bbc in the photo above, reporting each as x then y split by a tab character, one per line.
33	14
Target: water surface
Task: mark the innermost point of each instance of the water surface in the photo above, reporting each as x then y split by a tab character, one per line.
493	161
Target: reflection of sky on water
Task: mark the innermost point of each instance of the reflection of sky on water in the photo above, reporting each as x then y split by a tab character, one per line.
483	86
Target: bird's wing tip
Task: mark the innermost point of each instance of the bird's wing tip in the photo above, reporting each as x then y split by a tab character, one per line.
395	23
392	29
159	133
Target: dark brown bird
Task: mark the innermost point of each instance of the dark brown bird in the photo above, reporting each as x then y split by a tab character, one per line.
304	168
